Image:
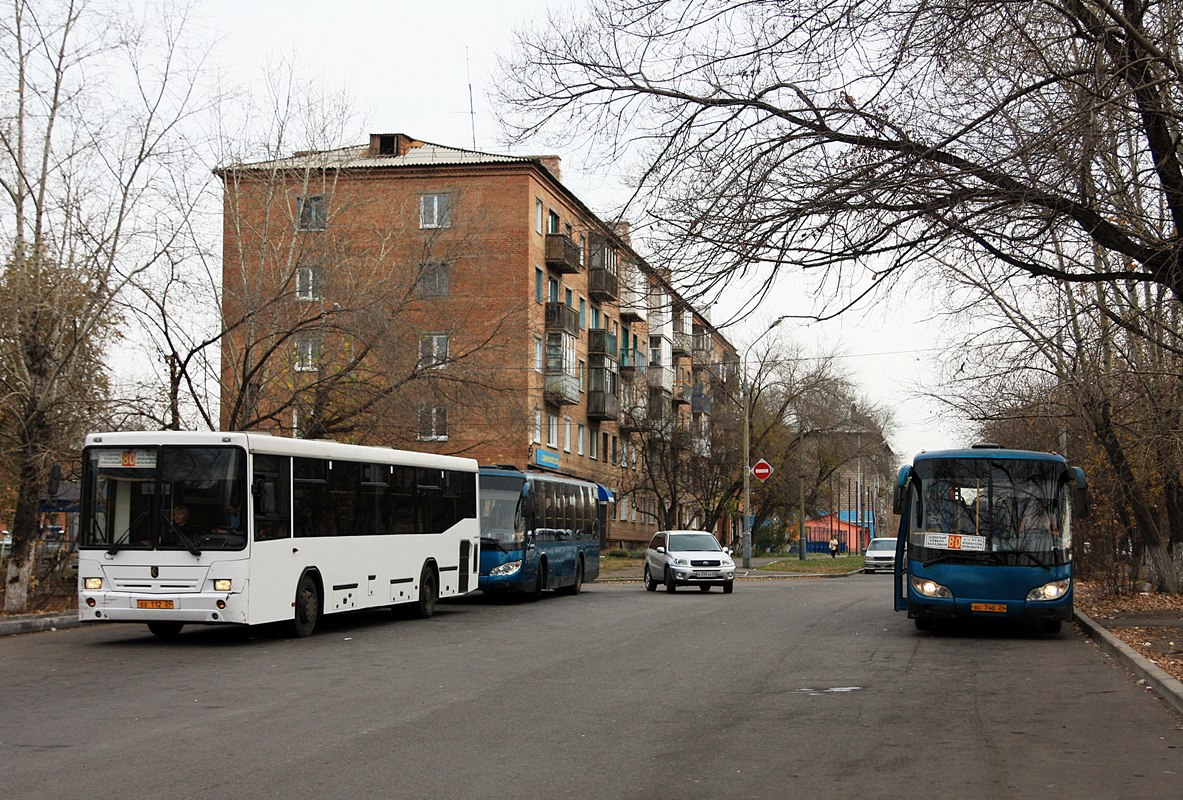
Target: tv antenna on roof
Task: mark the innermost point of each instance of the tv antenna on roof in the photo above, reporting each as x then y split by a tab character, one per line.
471	110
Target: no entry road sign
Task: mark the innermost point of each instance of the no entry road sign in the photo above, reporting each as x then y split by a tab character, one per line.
762	470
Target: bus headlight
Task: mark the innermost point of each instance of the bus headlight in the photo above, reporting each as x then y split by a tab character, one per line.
930	588
93	583
508	568
221	584
1050	591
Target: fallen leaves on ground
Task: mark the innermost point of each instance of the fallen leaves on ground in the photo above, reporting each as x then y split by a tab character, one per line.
1163	645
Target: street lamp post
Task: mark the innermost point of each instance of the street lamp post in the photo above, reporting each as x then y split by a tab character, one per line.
747	448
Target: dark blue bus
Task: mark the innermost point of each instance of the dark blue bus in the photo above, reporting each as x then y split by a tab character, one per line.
986	533
539	531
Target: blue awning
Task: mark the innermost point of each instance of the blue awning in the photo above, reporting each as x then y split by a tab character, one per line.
604	494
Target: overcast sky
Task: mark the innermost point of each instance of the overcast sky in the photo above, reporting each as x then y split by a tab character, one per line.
410	68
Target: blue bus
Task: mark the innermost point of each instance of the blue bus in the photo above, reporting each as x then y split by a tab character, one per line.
986	533
539	531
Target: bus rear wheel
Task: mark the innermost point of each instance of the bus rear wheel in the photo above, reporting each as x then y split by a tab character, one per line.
576	587
165	630
307	607
428	594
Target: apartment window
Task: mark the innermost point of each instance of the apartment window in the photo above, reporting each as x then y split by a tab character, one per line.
537	285
582	313
433	350
537	426
583	376
552	290
604	442
569	298
537	215
310	212
307	354
552	430
539	354
552	222
595	318
580	435
435	211
614	461
435	279
567	434
307	283
433	424
593	444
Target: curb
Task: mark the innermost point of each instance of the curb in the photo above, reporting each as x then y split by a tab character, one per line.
31	623
1160	680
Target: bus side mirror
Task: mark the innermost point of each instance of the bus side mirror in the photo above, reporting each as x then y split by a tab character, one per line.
901	490
264	494
55	480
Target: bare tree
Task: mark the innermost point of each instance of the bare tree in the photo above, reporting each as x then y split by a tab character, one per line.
858	139
88	126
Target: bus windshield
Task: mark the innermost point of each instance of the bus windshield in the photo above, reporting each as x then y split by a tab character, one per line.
1002	511
168	498
501	511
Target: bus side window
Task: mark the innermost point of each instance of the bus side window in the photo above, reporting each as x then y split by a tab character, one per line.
270	494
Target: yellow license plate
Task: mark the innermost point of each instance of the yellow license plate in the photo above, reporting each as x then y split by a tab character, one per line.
993	608
154	604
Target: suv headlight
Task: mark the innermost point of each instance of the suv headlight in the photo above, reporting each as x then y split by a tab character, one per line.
930	588
1050	591
681	562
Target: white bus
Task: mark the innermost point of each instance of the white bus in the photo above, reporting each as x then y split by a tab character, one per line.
244	528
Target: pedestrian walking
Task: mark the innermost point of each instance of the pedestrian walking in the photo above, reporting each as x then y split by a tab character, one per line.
833	547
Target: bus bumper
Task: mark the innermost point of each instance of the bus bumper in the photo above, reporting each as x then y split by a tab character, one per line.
970	609
198	607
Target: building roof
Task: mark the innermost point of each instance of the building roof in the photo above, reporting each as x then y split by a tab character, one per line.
361	157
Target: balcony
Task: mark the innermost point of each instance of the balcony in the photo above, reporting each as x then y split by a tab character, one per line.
633	418
661	378
680	439
700	401
602	406
561	388
683	343
683	392
602	284
632	361
561	317
632	305
562	254
601	342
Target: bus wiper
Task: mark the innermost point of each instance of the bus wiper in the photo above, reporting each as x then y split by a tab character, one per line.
1038	561
494	542
184	539
117	546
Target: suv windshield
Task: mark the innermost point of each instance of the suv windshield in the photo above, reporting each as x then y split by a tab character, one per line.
693	541
881	544
167	498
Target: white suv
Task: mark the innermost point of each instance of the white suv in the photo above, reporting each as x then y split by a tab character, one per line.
688	558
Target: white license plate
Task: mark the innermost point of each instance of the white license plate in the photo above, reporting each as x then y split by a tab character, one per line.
707	574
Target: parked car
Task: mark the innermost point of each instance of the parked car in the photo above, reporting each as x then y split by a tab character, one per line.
688	558
880	555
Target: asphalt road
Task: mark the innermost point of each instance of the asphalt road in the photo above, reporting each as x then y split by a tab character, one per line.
800	688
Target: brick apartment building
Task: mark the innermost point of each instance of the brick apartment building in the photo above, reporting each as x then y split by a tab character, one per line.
433	298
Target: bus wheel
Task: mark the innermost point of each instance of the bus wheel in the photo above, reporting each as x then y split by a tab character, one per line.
650	583
576	587
1052	625
428	594
165	630
539	583
671	585
307	610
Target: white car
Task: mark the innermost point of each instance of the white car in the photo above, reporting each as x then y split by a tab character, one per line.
880	555
688	558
